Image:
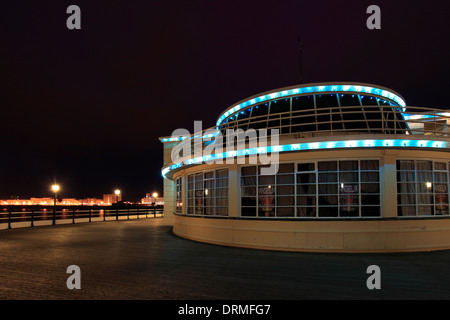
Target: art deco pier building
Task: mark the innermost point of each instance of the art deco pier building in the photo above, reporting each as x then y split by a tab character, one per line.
359	171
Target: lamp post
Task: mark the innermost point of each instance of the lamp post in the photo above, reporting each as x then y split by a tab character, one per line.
117	193
55	189
154	195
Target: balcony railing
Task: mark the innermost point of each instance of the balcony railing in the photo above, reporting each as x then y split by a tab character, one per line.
365	119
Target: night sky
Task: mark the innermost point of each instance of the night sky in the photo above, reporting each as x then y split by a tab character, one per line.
86	107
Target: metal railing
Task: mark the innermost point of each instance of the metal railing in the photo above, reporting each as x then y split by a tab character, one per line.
365	119
21	217
332	121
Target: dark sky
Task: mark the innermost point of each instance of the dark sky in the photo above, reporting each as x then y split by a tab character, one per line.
86	107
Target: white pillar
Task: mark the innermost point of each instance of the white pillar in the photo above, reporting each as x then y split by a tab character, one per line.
389	184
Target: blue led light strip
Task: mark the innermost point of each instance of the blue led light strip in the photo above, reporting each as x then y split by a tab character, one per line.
192	137
404	143
315	89
426	116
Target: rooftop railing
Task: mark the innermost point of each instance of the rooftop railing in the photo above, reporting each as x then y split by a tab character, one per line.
333	121
364	119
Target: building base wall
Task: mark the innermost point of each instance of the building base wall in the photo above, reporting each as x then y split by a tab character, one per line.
388	235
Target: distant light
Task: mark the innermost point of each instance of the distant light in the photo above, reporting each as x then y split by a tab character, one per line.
155	194
428	184
117	192
55	188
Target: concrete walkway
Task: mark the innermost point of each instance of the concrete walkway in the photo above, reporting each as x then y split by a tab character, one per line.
142	259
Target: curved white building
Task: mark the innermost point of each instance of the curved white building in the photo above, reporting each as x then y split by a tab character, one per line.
358	171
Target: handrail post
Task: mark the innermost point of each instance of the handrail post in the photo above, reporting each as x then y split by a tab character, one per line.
73	215
331	122
138	212
32	217
9	219
90	213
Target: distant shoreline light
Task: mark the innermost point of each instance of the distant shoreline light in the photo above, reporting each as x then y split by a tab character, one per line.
28	202
47	201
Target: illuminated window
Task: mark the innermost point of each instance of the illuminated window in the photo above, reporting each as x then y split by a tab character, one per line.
207	193
346	188
179	190
422	188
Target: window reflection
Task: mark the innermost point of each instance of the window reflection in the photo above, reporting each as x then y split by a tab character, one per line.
347	188
422	188
207	193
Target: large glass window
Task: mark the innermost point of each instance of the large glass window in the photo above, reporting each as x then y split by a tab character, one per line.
325	105
303	114
221	192
354	118
279	106
179	193
347	188
322	112
259	116
207	193
422	187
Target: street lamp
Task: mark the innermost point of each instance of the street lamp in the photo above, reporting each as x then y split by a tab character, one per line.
117	193
154	195
55	189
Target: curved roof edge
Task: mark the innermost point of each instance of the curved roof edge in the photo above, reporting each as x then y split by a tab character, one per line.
317	87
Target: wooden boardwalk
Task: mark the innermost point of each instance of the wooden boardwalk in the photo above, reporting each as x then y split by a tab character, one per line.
142	259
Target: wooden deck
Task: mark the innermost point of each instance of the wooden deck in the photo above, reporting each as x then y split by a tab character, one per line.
142	259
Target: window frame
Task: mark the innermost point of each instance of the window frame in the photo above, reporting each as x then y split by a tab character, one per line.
210	208
316	195
417	204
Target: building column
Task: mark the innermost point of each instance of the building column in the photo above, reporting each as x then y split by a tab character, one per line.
169	201
233	191
169	186
389	184
183	194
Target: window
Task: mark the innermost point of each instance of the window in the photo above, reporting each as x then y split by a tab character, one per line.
368	100
279	106
303	114
249	196
422	187
326	106
179	192
221	192
207	193
348	100
354	118
259	116
346	188
306	190
326	101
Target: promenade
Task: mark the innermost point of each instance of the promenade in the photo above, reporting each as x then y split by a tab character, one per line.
143	259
